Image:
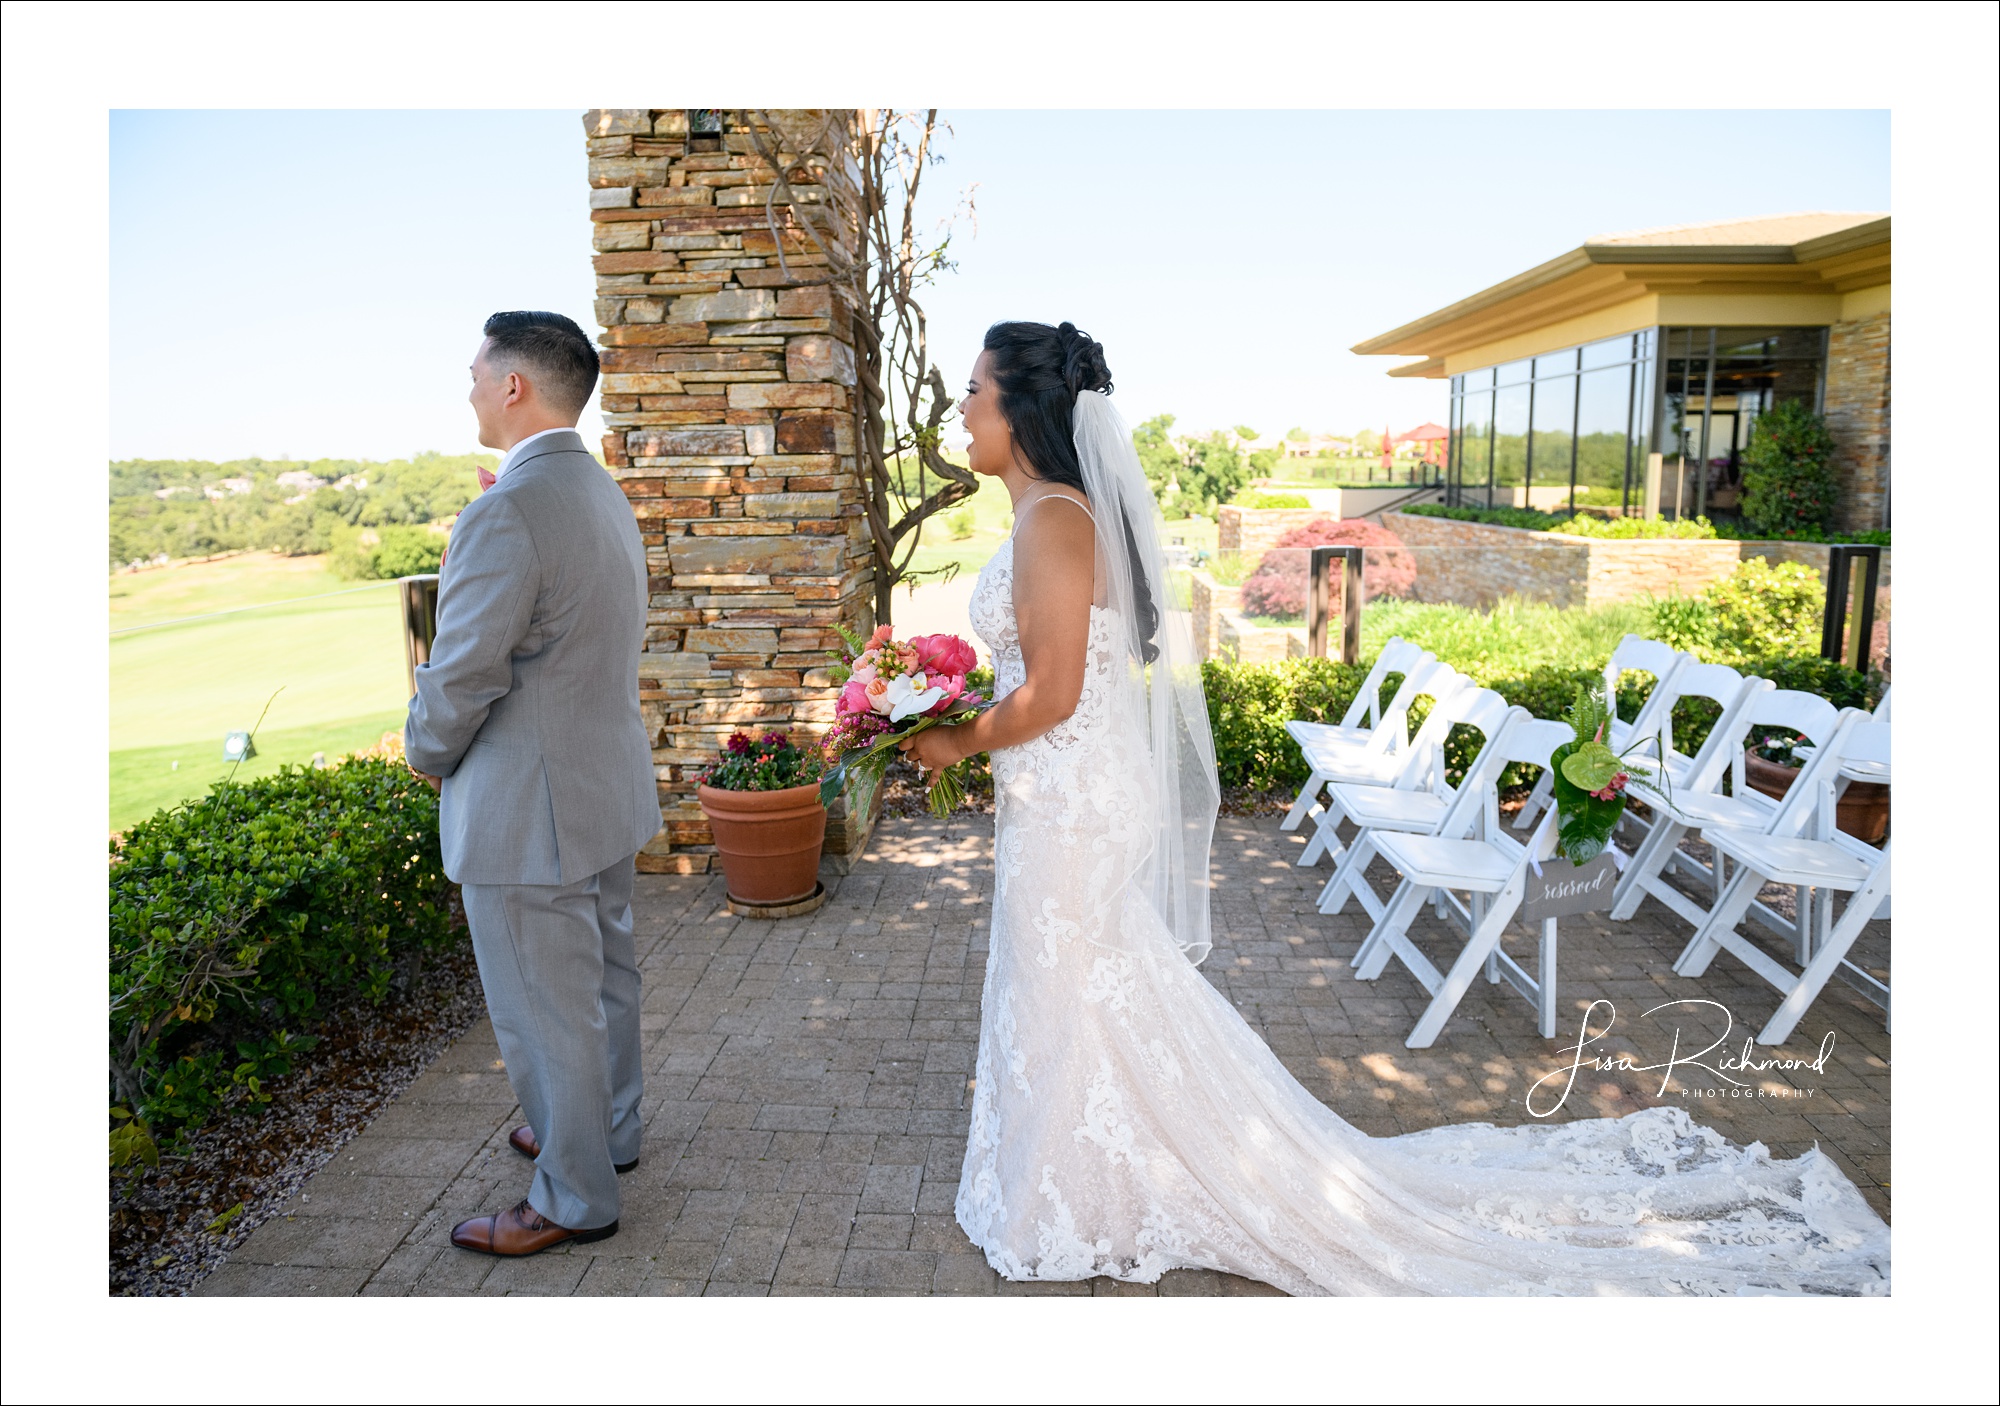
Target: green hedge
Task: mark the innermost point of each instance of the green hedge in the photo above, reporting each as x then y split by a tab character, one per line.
1249	705
234	917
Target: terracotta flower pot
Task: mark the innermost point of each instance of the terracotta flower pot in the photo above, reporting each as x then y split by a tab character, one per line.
769	841
1862	811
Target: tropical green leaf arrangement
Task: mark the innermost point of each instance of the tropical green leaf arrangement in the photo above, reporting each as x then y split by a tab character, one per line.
1590	780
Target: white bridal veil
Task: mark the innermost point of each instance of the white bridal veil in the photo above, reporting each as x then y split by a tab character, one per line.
1183	786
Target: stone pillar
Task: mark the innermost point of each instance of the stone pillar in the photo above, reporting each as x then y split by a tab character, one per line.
1857	411
729	400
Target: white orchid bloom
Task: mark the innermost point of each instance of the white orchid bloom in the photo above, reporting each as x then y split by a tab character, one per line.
908	696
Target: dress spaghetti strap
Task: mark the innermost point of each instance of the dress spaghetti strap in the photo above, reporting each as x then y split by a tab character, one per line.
1063	497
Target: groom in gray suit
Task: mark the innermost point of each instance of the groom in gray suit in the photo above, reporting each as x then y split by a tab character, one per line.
527	718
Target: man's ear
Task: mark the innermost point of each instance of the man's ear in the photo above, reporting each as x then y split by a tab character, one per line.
517	389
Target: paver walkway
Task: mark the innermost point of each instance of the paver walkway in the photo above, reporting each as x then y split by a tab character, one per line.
808	1083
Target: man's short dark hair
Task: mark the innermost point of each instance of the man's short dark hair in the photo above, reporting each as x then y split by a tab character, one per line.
553	350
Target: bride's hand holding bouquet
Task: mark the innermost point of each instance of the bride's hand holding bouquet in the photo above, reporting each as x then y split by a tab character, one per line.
894	694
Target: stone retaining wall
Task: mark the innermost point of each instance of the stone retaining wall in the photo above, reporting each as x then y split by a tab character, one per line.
1208	598
728	397
1478	564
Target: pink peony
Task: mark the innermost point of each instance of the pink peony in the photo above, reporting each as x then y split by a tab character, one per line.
952	684
854	698
944	654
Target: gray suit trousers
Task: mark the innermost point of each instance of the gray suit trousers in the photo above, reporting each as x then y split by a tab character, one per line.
562	984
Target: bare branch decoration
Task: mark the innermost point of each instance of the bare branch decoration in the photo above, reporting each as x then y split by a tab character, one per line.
843	199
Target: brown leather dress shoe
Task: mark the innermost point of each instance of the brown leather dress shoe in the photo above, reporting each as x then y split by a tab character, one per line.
521	1230
523	1141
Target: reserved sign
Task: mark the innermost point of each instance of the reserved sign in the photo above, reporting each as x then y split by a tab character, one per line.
1563	888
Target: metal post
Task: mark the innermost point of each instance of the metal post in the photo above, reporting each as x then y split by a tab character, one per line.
1834	641
1319	603
419	596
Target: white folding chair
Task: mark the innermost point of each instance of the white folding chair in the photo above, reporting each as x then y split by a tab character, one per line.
1367	725
1663	662
1851	771
1826	861
1473	853
1363	715
1720	685
1696	803
1407	806
1386	756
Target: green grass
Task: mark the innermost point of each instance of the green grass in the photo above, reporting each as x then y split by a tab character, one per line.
178	689
1512	638
147	779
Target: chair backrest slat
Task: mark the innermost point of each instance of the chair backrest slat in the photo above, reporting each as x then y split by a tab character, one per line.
1480	708
1426	677
1397	656
1725	739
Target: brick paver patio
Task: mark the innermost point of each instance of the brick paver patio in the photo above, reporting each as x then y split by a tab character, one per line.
809	1081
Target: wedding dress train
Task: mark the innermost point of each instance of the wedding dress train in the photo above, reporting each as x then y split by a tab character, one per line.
1126	1121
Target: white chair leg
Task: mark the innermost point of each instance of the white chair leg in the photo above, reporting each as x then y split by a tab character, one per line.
1347	874
1541	796
1832	950
1724	917
1630	890
1374	953
1326	835
1545	980
1452	989
1302	807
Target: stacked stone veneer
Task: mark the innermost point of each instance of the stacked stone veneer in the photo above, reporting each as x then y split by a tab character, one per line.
1857	411
728	399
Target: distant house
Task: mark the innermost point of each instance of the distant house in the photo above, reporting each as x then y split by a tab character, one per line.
228	488
306	484
175	491
1669	343
357	482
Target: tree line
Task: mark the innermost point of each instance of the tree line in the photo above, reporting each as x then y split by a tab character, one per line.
194	507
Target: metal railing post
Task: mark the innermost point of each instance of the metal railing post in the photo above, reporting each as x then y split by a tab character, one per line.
1835	641
1319	601
419	597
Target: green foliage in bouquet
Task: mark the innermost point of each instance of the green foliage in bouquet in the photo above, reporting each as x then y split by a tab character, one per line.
1589	780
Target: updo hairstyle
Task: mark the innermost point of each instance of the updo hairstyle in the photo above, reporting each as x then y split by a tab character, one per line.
1039	371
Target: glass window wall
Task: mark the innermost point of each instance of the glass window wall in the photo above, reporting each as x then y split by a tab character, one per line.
1584	419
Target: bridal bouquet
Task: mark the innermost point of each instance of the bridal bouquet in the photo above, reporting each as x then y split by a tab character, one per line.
892	689
1590	781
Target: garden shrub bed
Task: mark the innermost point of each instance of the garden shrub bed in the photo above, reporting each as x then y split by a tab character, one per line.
1620	528
1249	705
233	918
175	1223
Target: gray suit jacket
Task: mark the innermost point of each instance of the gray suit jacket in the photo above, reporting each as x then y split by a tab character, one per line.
529	706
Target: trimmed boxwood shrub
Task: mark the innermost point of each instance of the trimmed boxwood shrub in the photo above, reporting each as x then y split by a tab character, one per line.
234	917
1249	705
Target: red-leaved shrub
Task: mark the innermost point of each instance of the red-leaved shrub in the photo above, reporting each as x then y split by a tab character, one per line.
1278	585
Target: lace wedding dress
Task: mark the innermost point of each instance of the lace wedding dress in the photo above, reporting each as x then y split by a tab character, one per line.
1126	1121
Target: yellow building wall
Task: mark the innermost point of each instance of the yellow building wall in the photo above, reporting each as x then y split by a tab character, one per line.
1767	308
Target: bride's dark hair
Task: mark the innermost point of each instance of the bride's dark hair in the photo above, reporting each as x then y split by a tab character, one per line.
1039	371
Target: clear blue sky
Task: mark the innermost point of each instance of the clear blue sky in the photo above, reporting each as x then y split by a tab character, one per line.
312	283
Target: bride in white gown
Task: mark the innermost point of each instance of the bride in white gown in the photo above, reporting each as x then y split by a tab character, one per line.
1125	1120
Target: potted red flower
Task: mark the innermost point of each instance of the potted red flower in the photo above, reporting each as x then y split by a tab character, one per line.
1770	766
762	801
